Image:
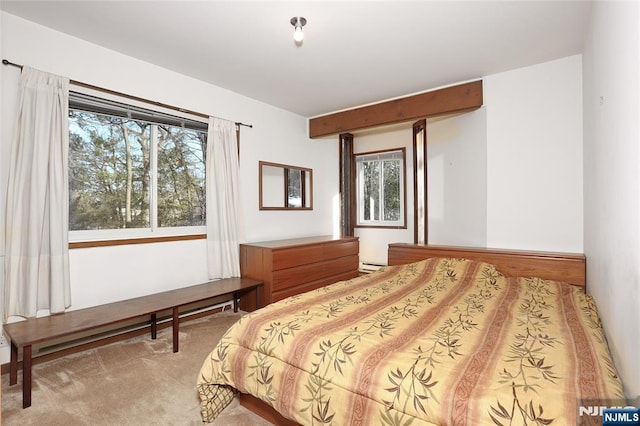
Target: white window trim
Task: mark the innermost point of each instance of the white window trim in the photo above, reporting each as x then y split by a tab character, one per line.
382	155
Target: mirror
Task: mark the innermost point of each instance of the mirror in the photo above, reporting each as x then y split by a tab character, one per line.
420	182
284	187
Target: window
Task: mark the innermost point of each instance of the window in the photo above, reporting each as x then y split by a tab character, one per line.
381	188
134	169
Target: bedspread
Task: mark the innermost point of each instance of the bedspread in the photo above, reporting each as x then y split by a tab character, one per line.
442	341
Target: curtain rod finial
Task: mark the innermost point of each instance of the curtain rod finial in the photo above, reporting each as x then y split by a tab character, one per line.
7	62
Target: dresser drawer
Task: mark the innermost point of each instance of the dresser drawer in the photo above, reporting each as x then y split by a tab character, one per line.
295	276
302	288
294	256
339	249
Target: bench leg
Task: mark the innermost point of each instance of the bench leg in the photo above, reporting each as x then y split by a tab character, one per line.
175	326
154	326
26	377
13	365
235	302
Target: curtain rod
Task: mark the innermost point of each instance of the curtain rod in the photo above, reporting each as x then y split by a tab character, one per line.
136	98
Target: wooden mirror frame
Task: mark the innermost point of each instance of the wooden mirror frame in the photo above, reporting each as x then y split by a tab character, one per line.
306	187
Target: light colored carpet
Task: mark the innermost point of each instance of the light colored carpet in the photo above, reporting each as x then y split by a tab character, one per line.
135	382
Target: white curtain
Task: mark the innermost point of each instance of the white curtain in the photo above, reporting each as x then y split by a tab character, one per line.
37	216
224	218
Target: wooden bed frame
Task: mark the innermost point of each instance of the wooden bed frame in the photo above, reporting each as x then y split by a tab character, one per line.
566	267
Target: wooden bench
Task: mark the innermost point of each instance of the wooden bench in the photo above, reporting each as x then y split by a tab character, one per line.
24	334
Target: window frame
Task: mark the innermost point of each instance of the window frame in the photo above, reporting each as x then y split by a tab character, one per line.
89	101
401	223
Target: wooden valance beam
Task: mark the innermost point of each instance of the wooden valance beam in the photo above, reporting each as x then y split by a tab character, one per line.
458	98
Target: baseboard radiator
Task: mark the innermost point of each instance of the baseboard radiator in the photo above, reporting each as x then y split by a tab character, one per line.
367	267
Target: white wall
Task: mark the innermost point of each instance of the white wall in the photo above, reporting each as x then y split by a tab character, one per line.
3	154
612	179
534	157
457	179
102	275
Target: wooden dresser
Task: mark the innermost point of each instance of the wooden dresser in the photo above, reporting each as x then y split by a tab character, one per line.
293	266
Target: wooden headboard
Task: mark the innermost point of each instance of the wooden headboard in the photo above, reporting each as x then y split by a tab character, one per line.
566	267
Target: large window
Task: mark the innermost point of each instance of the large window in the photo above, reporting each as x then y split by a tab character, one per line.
132	168
381	188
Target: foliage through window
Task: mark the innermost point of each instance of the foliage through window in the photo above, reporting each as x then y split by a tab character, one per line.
380	185
133	170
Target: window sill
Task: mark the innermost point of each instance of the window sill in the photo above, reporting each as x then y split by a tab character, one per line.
129	241
382	226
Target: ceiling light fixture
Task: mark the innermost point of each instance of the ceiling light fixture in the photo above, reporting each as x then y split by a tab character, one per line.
298	22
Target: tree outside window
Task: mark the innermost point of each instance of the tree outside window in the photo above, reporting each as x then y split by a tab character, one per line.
131	173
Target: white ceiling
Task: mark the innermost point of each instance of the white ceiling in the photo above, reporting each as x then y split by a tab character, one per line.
353	53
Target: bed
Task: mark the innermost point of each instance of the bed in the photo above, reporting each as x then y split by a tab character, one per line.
443	335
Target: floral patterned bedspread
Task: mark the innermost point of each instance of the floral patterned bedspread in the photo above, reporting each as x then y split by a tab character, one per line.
442	341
